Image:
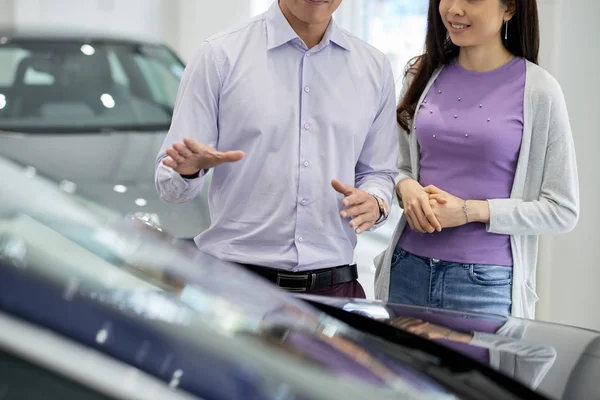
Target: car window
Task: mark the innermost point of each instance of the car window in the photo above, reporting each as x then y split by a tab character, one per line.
48	86
9	61
162	88
18	375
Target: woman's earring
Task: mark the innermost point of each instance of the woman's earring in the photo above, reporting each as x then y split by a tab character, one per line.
506	31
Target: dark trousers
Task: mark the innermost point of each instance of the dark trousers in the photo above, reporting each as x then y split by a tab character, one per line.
353	290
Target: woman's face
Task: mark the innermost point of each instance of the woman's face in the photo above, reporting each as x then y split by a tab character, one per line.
473	22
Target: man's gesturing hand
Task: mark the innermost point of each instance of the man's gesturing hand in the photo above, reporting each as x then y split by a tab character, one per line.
191	157
359	205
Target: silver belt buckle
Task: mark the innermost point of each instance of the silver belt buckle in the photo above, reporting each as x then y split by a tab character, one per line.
294	278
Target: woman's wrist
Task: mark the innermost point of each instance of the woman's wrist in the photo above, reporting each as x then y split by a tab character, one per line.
399	189
460	337
478	211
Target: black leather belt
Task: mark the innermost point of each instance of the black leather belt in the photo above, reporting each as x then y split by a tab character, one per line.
307	280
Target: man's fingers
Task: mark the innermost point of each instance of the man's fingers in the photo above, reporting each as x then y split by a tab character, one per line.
230	156
169	162
174	154
342	188
354	211
354	199
182	150
194	146
363	227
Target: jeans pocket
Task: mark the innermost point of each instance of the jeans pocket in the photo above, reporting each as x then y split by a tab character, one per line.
399	255
490	275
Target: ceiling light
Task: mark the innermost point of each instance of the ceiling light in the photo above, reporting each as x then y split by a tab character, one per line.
88	50
107	100
120	188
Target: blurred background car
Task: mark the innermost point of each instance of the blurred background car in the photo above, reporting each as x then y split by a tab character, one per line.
92	112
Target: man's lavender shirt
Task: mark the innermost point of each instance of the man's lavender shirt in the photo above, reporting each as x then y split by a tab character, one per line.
469	129
303	117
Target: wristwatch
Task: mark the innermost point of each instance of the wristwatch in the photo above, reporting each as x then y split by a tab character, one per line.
383	209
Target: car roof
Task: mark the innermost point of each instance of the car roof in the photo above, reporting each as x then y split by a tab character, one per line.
74	34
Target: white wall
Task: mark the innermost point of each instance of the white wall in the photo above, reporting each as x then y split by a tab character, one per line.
200	19
569	266
179	23
137	17
6	12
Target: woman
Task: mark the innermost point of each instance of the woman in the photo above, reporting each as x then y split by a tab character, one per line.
487	163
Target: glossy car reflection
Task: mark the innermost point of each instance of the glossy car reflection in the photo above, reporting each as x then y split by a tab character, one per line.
560	362
103	306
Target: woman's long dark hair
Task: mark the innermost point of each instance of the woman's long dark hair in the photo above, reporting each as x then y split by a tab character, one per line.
523	41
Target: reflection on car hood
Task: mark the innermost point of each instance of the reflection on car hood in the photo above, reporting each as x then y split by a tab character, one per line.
558	361
115	170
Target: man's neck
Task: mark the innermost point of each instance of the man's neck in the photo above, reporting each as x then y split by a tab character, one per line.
311	34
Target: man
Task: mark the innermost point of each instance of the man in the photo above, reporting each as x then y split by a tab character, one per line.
297	119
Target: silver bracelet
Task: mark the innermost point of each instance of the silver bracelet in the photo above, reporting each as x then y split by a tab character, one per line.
466	211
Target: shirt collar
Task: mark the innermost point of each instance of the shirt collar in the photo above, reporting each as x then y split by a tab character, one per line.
279	31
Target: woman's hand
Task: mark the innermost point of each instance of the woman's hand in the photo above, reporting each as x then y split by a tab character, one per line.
448	209
430	331
417	207
453	211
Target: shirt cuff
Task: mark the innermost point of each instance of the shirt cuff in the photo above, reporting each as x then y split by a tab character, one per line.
376	190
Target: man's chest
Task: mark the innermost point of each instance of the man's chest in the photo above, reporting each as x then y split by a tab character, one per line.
277	99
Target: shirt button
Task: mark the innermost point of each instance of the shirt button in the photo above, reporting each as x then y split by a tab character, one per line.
306	163
307	89
306	126
301	239
304	202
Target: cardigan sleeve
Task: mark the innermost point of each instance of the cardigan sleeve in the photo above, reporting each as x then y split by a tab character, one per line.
404	158
557	208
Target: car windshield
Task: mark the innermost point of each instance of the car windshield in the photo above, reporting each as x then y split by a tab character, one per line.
86	86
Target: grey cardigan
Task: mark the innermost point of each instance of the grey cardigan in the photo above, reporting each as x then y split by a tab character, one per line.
545	192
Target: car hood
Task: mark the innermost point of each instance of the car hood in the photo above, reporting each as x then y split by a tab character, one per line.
558	361
93	165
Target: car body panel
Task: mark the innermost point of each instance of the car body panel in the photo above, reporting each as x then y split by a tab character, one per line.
558	361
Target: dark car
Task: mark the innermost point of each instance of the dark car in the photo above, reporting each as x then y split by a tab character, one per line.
95	305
